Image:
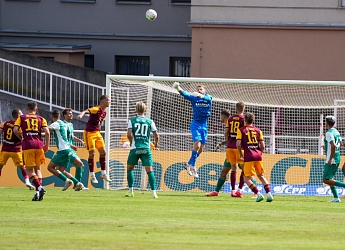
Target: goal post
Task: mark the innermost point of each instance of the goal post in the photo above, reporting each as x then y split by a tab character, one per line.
290	114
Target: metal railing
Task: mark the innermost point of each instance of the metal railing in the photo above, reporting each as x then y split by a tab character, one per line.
53	90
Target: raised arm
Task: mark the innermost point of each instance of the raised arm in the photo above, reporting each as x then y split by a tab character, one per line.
177	87
86	111
190	97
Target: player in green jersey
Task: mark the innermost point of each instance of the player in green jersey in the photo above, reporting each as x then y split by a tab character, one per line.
138	133
64	155
332	143
68	116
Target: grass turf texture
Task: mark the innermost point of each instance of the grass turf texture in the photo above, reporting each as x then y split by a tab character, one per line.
101	219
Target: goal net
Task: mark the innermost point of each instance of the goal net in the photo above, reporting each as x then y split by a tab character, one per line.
290	114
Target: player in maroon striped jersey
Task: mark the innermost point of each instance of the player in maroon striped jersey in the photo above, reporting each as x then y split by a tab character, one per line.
251	141
232	125
31	126
93	138
12	147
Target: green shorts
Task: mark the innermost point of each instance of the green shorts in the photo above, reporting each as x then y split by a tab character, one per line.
64	157
226	164
329	171
144	154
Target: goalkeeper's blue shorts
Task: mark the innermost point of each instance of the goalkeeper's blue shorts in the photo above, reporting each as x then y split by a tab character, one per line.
199	133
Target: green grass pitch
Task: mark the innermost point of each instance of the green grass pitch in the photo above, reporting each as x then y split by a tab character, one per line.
102	219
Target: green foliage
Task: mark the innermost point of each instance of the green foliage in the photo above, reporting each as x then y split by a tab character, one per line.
101	219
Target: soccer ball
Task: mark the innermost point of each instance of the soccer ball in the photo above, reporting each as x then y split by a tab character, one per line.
151	15
126	145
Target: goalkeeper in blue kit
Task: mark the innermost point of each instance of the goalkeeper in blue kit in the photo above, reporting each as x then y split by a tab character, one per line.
201	106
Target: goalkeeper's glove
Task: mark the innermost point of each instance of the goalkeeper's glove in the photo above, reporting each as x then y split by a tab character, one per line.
197	94
177	87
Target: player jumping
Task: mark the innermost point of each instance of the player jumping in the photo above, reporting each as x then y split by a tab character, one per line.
201	106
93	138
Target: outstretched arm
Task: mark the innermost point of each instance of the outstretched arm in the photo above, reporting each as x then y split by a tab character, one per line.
186	95
177	87
86	111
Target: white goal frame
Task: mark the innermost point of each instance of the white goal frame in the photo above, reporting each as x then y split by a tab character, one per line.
272	137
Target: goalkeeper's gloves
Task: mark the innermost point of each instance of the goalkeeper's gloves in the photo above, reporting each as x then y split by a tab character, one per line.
177	86
197	94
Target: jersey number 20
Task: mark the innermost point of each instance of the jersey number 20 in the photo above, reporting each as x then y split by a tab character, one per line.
141	129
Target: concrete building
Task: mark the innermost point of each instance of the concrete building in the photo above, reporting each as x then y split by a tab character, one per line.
268	39
114	35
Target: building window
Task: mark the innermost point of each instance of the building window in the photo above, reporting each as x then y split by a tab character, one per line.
25	0
89	61
133	1
50	58
78	1
132	65
180	66
181	1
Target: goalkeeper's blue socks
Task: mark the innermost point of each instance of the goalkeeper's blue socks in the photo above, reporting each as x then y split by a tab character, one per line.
192	160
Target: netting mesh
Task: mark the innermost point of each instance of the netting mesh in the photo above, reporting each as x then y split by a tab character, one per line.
289	116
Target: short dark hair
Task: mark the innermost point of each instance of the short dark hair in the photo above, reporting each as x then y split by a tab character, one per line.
65	111
15	113
249	117
225	112
55	113
103	97
330	120
32	105
240	106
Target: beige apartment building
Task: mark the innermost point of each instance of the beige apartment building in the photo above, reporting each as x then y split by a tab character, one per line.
268	39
